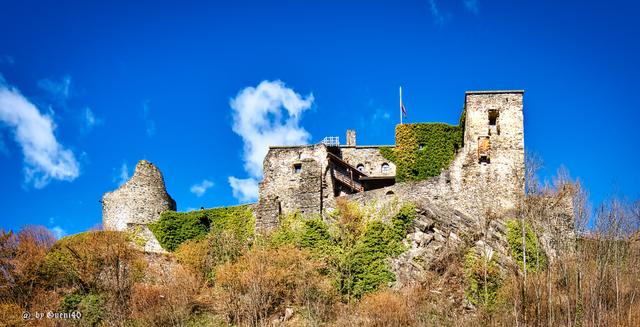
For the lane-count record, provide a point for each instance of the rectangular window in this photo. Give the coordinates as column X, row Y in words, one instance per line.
column 297, row 168
column 493, row 117
column 484, row 145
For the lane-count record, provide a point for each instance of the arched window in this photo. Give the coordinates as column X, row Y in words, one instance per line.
column 360, row 167
column 385, row 168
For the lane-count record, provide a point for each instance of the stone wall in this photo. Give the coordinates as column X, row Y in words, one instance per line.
column 138, row 201
column 295, row 179
column 370, row 157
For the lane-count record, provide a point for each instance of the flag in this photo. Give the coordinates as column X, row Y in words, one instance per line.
column 404, row 111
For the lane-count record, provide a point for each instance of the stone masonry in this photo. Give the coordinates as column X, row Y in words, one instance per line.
column 138, row 201
column 299, row 178
column 487, row 174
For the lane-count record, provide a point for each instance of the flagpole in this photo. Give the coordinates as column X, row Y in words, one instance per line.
column 400, row 105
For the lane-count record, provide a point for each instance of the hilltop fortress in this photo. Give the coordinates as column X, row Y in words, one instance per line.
column 465, row 182
column 487, row 164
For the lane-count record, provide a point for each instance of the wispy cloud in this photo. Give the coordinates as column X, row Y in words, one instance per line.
column 6, row 59
column 123, row 174
column 90, row 119
column 44, row 158
column 201, row 188
column 379, row 112
column 439, row 17
column 59, row 90
column 58, row 232
column 268, row 114
column 472, row 6
column 150, row 125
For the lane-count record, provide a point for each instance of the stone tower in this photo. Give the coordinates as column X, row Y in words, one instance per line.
column 138, row 201
column 494, row 146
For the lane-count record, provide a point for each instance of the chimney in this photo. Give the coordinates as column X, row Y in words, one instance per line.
column 351, row 137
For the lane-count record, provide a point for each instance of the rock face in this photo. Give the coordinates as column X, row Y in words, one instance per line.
column 138, row 201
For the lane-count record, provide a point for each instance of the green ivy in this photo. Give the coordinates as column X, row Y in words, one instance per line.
column 174, row 228
column 422, row 150
column 536, row 258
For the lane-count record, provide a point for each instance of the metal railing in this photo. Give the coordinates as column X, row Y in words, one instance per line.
column 331, row 141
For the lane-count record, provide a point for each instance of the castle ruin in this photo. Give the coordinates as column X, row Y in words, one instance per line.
column 487, row 170
column 471, row 197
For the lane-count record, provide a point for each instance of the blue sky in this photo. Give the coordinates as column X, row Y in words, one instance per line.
column 89, row 89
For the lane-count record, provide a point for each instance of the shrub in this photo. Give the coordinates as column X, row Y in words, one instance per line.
column 10, row 314
column 355, row 251
column 265, row 280
column 536, row 258
column 386, row 308
column 168, row 300
column 484, row 279
column 21, row 257
column 100, row 263
column 174, row 228
column 203, row 255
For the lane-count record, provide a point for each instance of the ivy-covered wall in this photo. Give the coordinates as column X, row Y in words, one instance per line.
column 423, row 149
column 174, row 228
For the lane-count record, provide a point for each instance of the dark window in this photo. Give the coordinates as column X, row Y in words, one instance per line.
column 297, row 168
column 493, row 117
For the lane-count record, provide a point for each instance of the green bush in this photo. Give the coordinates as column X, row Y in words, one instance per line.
column 90, row 305
column 422, row 150
column 536, row 258
column 483, row 280
column 355, row 252
column 174, row 228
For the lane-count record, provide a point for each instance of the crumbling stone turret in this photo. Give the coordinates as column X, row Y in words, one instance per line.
column 138, row 201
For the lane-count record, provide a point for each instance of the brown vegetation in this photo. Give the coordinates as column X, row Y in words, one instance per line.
column 219, row 280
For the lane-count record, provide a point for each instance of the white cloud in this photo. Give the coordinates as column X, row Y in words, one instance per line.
column 58, row 232
column 44, row 158
column 123, row 175
column 150, row 125
column 472, row 6
column 90, row 119
column 59, row 90
column 245, row 190
column 201, row 188
column 268, row 114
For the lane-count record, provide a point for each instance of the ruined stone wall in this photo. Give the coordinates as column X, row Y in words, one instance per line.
column 138, row 201
column 370, row 157
column 502, row 174
column 468, row 185
column 294, row 179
